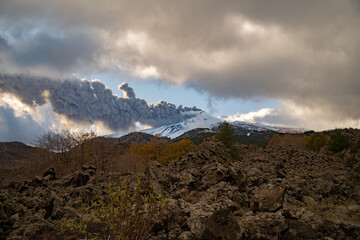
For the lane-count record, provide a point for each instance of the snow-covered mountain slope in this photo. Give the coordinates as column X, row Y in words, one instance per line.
column 201, row 119
column 261, row 127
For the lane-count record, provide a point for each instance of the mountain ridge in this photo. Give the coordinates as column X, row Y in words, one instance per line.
column 203, row 120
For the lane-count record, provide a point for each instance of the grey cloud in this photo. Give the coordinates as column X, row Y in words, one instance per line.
column 3, row 43
column 65, row 53
column 289, row 115
column 306, row 51
column 60, row 52
column 89, row 102
column 13, row 128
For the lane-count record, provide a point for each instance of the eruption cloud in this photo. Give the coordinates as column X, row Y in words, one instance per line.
column 91, row 101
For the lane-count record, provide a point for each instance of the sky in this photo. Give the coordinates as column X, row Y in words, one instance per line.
column 280, row 62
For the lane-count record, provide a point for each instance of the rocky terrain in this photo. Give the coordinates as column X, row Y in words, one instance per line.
column 276, row 193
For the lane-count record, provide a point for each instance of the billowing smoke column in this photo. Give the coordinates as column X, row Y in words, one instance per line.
column 128, row 91
column 85, row 101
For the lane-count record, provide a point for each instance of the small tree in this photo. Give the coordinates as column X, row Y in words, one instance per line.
column 57, row 146
column 102, row 150
column 337, row 141
column 226, row 134
column 81, row 140
column 65, row 146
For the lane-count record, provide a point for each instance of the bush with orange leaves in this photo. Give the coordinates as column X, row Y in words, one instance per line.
column 315, row 141
column 161, row 151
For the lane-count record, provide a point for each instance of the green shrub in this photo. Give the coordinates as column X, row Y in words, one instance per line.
column 315, row 141
column 124, row 213
column 337, row 141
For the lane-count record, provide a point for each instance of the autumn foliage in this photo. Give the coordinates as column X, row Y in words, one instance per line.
column 161, row 151
column 315, row 141
column 295, row 140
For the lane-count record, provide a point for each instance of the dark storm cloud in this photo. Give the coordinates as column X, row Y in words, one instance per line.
column 90, row 102
column 304, row 52
column 60, row 53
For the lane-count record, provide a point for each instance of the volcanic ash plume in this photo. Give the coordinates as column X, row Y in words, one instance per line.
column 128, row 91
column 91, row 101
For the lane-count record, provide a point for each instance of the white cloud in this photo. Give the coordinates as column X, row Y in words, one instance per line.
column 289, row 114
column 249, row 117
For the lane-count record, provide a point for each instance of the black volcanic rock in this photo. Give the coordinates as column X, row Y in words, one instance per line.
column 221, row 225
column 210, row 194
column 277, row 193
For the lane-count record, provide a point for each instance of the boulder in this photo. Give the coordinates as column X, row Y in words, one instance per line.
column 77, row 180
column 49, row 174
column 268, row 197
column 221, row 225
column 264, row 225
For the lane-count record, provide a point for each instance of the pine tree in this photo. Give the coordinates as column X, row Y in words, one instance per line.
column 226, row 134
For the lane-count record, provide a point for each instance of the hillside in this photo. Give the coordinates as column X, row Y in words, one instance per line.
column 259, row 137
column 136, row 137
column 17, row 154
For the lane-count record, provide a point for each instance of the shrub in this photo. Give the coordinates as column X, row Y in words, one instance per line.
column 161, row 151
column 315, row 141
column 124, row 213
column 175, row 150
column 150, row 151
column 337, row 141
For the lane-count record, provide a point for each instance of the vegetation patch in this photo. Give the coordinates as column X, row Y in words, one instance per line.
column 160, row 150
column 337, row 141
column 315, row 141
column 122, row 213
